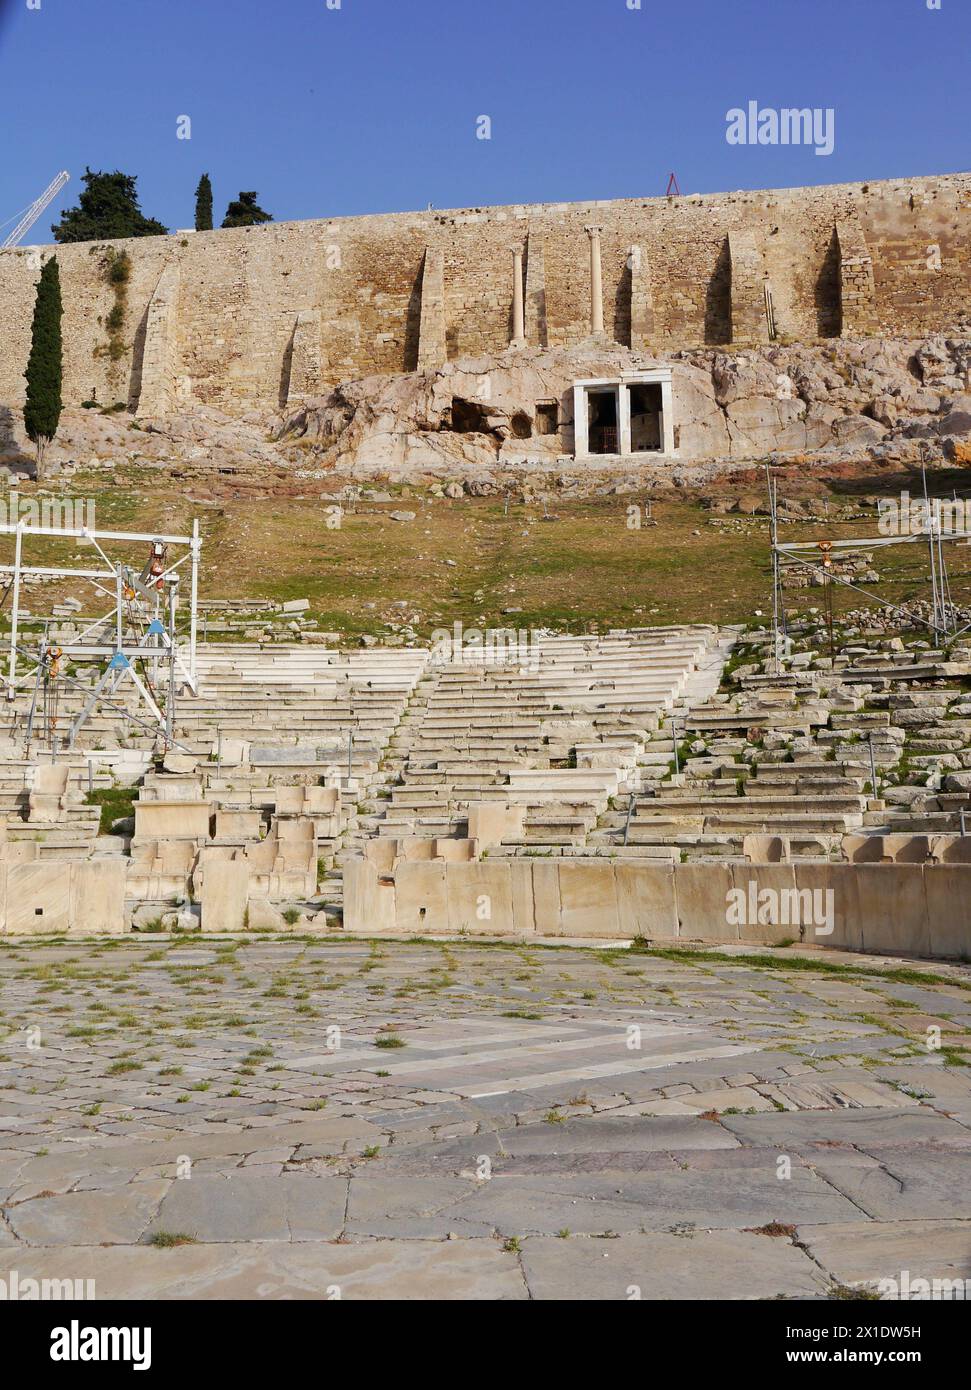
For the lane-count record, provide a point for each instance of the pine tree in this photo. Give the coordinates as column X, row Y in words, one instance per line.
column 204, row 205
column 107, row 210
column 244, row 211
column 42, row 411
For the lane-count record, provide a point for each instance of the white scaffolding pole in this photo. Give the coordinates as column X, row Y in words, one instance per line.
column 196, row 544
column 15, row 615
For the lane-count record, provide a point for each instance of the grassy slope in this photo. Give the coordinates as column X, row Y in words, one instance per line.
column 585, row 568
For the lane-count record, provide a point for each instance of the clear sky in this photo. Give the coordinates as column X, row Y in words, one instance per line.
column 372, row 106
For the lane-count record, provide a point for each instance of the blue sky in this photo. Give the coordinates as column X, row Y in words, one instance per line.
column 373, row 106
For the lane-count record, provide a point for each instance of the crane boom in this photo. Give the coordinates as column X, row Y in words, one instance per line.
column 36, row 208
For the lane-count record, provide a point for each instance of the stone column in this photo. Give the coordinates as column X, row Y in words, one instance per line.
column 596, row 282
column 581, row 440
column 623, row 419
column 667, row 416
column 518, row 303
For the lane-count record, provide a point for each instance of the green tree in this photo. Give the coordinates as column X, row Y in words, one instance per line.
column 204, row 205
column 244, row 211
column 107, row 209
column 42, row 411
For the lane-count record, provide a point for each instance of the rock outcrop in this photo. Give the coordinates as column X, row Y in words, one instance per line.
column 834, row 398
column 834, row 402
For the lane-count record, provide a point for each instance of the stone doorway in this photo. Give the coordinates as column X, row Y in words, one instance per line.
column 630, row 415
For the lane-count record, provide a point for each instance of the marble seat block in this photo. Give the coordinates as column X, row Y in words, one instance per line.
column 238, row 825
column 47, row 800
column 766, row 849
column 172, row 820
column 492, row 823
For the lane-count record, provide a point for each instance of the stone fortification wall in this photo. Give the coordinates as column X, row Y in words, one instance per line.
column 255, row 317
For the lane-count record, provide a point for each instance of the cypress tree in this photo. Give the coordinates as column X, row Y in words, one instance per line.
column 42, row 411
column 204, row 205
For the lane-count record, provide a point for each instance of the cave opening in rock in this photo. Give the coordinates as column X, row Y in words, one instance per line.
column 468, row 417
column 547, row 418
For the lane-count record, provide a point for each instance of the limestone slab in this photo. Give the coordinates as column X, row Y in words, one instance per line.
column 657, row 1265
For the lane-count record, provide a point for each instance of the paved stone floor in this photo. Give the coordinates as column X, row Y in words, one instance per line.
column 282, row 1118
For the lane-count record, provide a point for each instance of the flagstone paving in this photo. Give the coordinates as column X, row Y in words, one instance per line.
column 323, row 1119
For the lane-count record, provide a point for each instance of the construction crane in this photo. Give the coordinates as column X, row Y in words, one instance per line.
column 31, row 214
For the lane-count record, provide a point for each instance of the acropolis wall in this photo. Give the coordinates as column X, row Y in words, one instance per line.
column 254, row 317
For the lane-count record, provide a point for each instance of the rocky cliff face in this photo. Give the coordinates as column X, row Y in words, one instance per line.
column 836, row 399
column 835, row 402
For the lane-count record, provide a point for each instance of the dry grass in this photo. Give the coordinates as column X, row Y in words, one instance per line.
column 582, row 570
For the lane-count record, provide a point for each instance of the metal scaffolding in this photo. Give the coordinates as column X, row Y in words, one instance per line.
column 135, row 639
column 819, row 557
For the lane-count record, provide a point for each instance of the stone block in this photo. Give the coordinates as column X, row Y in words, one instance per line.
column 703, row 899
column 864, row 849
column 646, row 901
column 98, row 896
column 893, row 908
column 907, row 849
column 495, row 822
column 182, row 763
column 172, row 820
column 369, row 899
column 421, row 898
column 261, row 915
column 232, row 752
column 588, row 899
column 238, row 825
column 455, row 851
column 382, row 853
column 225, row 895
column 480, row 899
column 951, row 849
column 768, row 907
column 521, row 888
column 843, row 881
column 19, row 851
column 39, row 897
column 947, row 893
column 546, row 897
column 766, row 849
